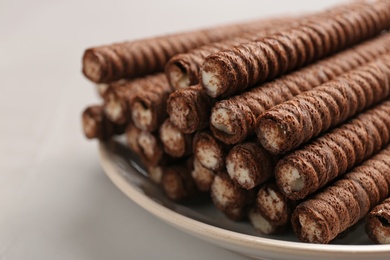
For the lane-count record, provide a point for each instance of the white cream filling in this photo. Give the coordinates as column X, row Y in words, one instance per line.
column 113, row 109
column 102, row 88
column 208, row 157
column 382, row 236
column 146, row 143
column 171, row 138
column 239, row 172
column 271, row 136
column 155, row 174
column 221, row 120
column 272, row 202
column 291, row 179
column 260, row 223
column 179, row 114
column 221, row 191
column 141, row 116
column 210, row 82
column 310, row 230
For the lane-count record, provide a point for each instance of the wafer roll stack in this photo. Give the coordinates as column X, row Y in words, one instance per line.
column 97, row 126
column 148, row 106
column 230, row 198
column 271, row 211
column 314, row 165
column 232, row 71
column 249, row 164
column 377, row 224
column 132, row 59
column 119, row 96
column 202, row 176
column 189, row 109
column 175, row 143
column 292, row 123
column 321, row 218
column 234, row 119
column 210, row 152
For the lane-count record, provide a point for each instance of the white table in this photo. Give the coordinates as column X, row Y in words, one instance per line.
column 55, row 200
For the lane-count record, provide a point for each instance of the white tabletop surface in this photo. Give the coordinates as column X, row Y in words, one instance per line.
column 55, row 200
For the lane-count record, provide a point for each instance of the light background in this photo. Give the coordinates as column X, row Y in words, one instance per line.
column 55, row 201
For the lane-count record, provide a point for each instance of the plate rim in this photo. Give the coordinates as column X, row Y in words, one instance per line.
column 209, row 232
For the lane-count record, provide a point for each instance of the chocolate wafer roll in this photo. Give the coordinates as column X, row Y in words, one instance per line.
column 314, row 165
column 342, row 204
column 96, row 125
column 102, row 89
column 119, row 96
column 377, row 224
column 148, row 107
column 230, row 198
column 294, row 122
column 234, row 119
column 151, row 148
column 249, row 164
column 202, row 176
column 141, row 57
column 232, row 71
column 189, row 109
column 175, row 143
column 271, row 210
column 177, row 182
column 155, row 173
column 210, row 152
column 132, row 135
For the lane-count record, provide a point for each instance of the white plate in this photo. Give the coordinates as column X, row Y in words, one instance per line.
column 202, row 220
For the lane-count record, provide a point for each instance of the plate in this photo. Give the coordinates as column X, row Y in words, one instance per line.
column 203, row 220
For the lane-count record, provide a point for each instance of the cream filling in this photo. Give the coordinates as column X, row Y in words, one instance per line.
column 208, row 157
column 310, row 230
column 272, row 136
column 102, row 88
column 221, row 119
column 146, row 143
column 260, row 223
column 155, row 174
column 113, row 109
column 179, row 114
column 141, row 116
column 171, row 138
column 272, row 202
column 210, row 83
column 291, row 179
column 222, row 192
column 239, row 172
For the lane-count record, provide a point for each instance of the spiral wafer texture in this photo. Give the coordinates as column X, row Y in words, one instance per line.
column 232, row 71
column 314, row 165
column 132, row 59
column 321, row 218
column 202, row 176
column 148, row 106
column 294, row 122
column 377, row 224
column 234, row 119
